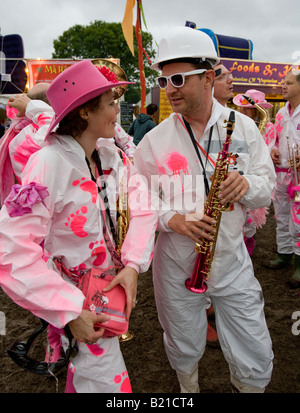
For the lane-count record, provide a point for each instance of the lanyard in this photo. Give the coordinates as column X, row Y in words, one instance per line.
column 102, row 189
column 212, row 162
column 196, row 146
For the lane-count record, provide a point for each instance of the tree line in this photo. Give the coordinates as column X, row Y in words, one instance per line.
column 102, row 40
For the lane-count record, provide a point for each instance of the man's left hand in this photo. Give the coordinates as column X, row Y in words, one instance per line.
column 234, row 187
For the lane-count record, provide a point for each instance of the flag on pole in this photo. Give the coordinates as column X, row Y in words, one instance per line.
column 138, row 35
column 127, row 24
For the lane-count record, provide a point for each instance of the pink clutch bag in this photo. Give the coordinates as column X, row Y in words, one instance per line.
column 111, row 302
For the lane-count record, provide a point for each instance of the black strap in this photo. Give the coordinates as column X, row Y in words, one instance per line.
column 189, row 129
column 102, row 190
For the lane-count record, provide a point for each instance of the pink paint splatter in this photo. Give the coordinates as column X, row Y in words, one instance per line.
column 278, row 125
column 42, row 119
column 25, row 150
column 77, row 222
column 125, row 382
column 269, row 134
column 296, row 213
column 177, row 163
column 87, row 186
column 99, row 252
column 11, row 112
column 95, row 349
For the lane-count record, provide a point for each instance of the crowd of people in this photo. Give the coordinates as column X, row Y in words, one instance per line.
column 63, row 164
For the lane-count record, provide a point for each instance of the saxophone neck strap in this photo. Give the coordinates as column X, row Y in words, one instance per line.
column 197, row 146
column 102, row 190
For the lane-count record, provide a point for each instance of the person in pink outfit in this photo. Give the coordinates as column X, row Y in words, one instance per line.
column 12, row 157
column 66, row 205
column 29, row 112
column 256, row 218
column 249, row 109
column 286, row 205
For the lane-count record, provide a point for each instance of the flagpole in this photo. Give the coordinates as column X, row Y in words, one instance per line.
column 138, row 34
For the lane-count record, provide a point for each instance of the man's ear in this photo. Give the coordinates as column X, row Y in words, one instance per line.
column 210, row 77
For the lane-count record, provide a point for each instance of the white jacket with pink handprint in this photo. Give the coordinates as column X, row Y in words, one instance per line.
column 58, row 205
column 287, row 125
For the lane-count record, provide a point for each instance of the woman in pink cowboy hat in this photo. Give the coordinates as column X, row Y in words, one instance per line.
column 251, row 110
column 66, row 204
column 247, row 102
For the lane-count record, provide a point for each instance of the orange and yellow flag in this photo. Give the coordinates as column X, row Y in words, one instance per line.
column 127, row 24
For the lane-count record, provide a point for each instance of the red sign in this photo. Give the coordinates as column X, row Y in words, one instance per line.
column 46, row 70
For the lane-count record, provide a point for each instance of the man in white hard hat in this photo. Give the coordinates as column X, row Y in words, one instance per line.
column 178, row 158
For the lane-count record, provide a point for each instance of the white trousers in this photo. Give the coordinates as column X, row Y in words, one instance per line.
column 100, row 368
column 240, row 320
column 287, row 230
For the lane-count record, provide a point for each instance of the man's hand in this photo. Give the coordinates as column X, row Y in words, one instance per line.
column 233, row 188
column 20, row 103
column 196, row 229
column 297, row 157
column 275, row 156
column 83, row 329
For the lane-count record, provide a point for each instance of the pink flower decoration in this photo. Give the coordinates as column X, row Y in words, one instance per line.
column 22, row 198
column 110, row 76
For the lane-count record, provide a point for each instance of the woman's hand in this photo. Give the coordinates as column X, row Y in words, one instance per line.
column 127, row 278
column 83, row 329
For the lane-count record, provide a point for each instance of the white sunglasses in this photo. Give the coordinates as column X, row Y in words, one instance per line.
column 178, row 79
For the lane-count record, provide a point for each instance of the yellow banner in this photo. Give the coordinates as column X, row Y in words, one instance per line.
column 127, row 24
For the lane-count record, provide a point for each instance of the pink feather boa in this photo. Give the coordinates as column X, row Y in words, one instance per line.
column 259, row 216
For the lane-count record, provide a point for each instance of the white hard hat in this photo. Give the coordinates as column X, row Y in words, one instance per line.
column 184, row 42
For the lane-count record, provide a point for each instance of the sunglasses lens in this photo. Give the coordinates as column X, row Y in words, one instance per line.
column 177, row 80
column 162, row 82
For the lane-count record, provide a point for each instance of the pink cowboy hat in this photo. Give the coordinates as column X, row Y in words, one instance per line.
column 77, row 85
column 257, row 96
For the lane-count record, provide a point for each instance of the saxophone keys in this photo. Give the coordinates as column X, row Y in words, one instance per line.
column 197, row 248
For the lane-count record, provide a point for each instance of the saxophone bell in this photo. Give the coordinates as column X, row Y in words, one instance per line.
column 264, row 119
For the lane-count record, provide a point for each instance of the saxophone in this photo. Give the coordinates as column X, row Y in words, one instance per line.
column 122, row 228
column 123, row 215
column 212, row 208
column 264, row 119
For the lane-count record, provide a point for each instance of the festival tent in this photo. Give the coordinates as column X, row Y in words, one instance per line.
column 12, row 67
column 231, row 47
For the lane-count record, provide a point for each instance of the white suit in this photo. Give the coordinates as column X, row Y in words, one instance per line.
column 235, row 293
column 287, row 235
column 58, row 203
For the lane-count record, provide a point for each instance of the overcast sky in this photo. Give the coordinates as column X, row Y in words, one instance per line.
column 272, row 25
